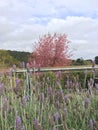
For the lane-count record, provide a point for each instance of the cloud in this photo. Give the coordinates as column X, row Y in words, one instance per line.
column 22, row 22
column 20, row 10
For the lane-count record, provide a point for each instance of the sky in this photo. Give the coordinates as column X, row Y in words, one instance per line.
column 22, row 22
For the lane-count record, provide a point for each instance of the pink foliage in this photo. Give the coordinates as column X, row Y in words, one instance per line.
column 51, row 50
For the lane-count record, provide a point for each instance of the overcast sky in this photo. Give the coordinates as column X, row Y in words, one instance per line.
column 23, row 21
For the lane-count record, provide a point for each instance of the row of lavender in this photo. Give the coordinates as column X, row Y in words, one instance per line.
column 49, row 107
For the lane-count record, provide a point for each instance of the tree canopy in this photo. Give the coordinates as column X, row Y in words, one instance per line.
column 96, row 59
column 51, row 50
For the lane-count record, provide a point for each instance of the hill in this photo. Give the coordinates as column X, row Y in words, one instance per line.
column 8, row 58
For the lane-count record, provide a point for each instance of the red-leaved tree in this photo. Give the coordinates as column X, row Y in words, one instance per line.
column 51, row 50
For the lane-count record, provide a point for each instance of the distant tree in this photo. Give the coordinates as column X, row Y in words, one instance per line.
column 52, row 50
column 80, row 61
column 96, row 60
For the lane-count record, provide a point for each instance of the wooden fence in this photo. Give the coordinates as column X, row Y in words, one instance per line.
column 56, row 69
column 64, row 70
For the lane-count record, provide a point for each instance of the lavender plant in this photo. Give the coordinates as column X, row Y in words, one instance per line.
column 50, row 106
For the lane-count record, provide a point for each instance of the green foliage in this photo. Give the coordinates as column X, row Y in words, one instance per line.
column 5, row 59
column 81, row 61
column 8, row 58
column 96, row 59
column 19, row 56
column 48, row 76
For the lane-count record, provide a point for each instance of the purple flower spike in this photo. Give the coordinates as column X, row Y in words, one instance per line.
column 58, row 74
column 87, row 102
column 14, row 67
column 91, row 124
column 5, row 100
column 24, row 100
column 43, row 97
column 27, row 65
column 56, row 116
column 96, row 85
column 60, row 92
column 37, row 125
column 22, row 128
column 4, row 106
column 23, row 64
column 35, row 121
column 10, row 71
column 18, row 81
column 18, row 120
column 66, row 97
column 2, row 89
column 54, row 128
column 18, row 124
column 65, row 110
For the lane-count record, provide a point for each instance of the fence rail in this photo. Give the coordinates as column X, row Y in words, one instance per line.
column 56, row 69
column 65, row 70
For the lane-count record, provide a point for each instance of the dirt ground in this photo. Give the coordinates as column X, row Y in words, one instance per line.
column 4, row 70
